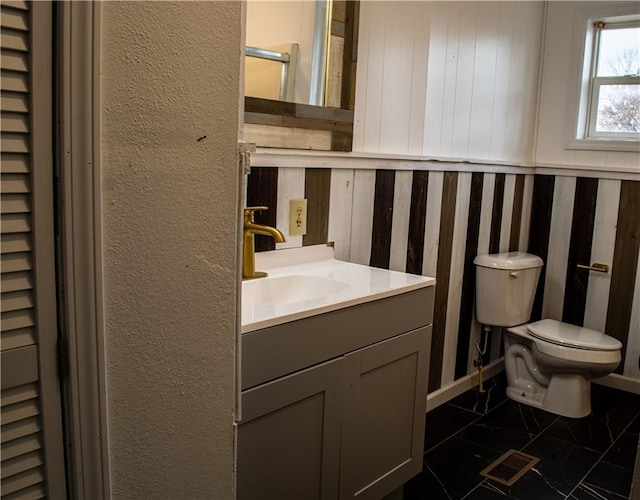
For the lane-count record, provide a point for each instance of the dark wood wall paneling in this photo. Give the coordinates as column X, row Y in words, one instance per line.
column 496, row 214
column 516, row 218
column 262, row 189
column 469, row 275
column 625, row 262
column 541, row 208
column 582, row 223
column 447, row 220
column 417, row 219
column 382, row 218
column 350, row 55
column 317, row 190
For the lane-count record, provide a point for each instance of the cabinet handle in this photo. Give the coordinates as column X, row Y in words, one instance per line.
column 596, row 266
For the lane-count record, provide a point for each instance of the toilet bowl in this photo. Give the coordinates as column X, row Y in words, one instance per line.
column 549, row 364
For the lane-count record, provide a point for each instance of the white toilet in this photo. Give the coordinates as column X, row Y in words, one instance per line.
column 549, row 364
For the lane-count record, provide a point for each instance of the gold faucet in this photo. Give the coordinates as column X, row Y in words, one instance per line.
column 248, row 246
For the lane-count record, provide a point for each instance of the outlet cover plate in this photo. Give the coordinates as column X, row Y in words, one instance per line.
column 297, row 217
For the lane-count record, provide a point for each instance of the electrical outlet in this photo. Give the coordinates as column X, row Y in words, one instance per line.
column 297, row 217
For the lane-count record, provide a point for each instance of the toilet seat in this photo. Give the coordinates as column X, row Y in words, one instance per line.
column 572, row 336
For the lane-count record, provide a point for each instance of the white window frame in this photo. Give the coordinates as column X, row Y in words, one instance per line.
column 580, row 92
column 599, row 81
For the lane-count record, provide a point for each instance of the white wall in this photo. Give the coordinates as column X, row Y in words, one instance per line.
column 454, row 80
column 559, row 90
column 170, row 73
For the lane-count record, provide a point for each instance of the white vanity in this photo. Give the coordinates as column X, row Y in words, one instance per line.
column 335, row 359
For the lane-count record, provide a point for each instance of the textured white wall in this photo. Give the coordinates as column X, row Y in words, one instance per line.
column 449, row 80
column 170, row 75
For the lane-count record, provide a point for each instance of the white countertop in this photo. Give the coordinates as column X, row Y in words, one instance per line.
column 362, row 284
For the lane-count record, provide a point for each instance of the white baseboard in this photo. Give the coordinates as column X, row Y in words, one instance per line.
column 447, row 393
column 621, row 382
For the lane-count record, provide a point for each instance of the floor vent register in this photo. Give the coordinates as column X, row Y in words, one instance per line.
column 510, row 467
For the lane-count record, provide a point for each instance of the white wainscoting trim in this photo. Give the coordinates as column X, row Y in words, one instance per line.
column 620, row 173
column 296, row 158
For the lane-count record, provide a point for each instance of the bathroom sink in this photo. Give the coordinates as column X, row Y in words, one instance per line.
column 289, row 289
column 309, row 281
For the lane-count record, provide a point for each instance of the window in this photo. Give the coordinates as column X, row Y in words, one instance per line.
column 614, row 104
column 603, row 107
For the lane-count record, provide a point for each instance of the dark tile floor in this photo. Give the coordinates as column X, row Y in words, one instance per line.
column 587, row 458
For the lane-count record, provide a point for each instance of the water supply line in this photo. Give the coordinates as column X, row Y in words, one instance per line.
column 481, row 352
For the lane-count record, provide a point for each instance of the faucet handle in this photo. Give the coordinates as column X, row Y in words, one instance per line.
column 249, row 211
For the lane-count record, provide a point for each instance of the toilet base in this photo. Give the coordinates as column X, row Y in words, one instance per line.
column 567, row 395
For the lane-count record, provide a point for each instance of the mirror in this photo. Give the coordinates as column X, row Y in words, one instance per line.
column 300, row 73
column 287, row 50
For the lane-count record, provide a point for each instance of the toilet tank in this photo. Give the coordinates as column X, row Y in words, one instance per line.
column 505, row 287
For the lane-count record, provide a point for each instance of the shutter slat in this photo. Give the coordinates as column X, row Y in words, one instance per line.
column 15, row 4
column 21, row 429
column 15, row 143
column 20, row 464
column 19, row 411
column 18, row 394
column 16, row 320
column 12, row 60
column 15, row 301
column 15, row 223
column 14, row 262
column 14, row 203
column 19, row 367
column 13, row 339
column 13, row 102
column 11, row 81
column 11, row 243
column 14, row 163
column 20, row 446
column 14, row 19
column 36, row 492
column 14, row 122
column 16, row 281
column 23, row 480
column 15, row 183
column 14, row 40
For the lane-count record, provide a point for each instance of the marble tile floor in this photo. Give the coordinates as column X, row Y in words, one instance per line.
column 587, row 458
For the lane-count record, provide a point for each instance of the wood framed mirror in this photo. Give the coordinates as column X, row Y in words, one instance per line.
column 298, row 125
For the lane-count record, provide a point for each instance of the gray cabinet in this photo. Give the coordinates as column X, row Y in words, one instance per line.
column 347, row 424
column 384, row 413
column 290, row 436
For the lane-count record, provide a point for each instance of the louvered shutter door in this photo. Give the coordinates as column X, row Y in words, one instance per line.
column 32, row 454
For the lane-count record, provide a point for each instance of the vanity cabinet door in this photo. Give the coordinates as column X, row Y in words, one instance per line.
column 289, row 436
column 384, row 407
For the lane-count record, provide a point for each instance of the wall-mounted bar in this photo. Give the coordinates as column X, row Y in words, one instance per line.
column 287, row 78
column 271, row 55
column 596, row 266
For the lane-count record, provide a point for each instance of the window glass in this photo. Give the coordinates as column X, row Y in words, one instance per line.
column 615, row 83
column 618, row 109
column 619, row 52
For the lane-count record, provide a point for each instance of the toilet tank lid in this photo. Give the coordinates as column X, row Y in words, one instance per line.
column 572, row 335
column 509, row 260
